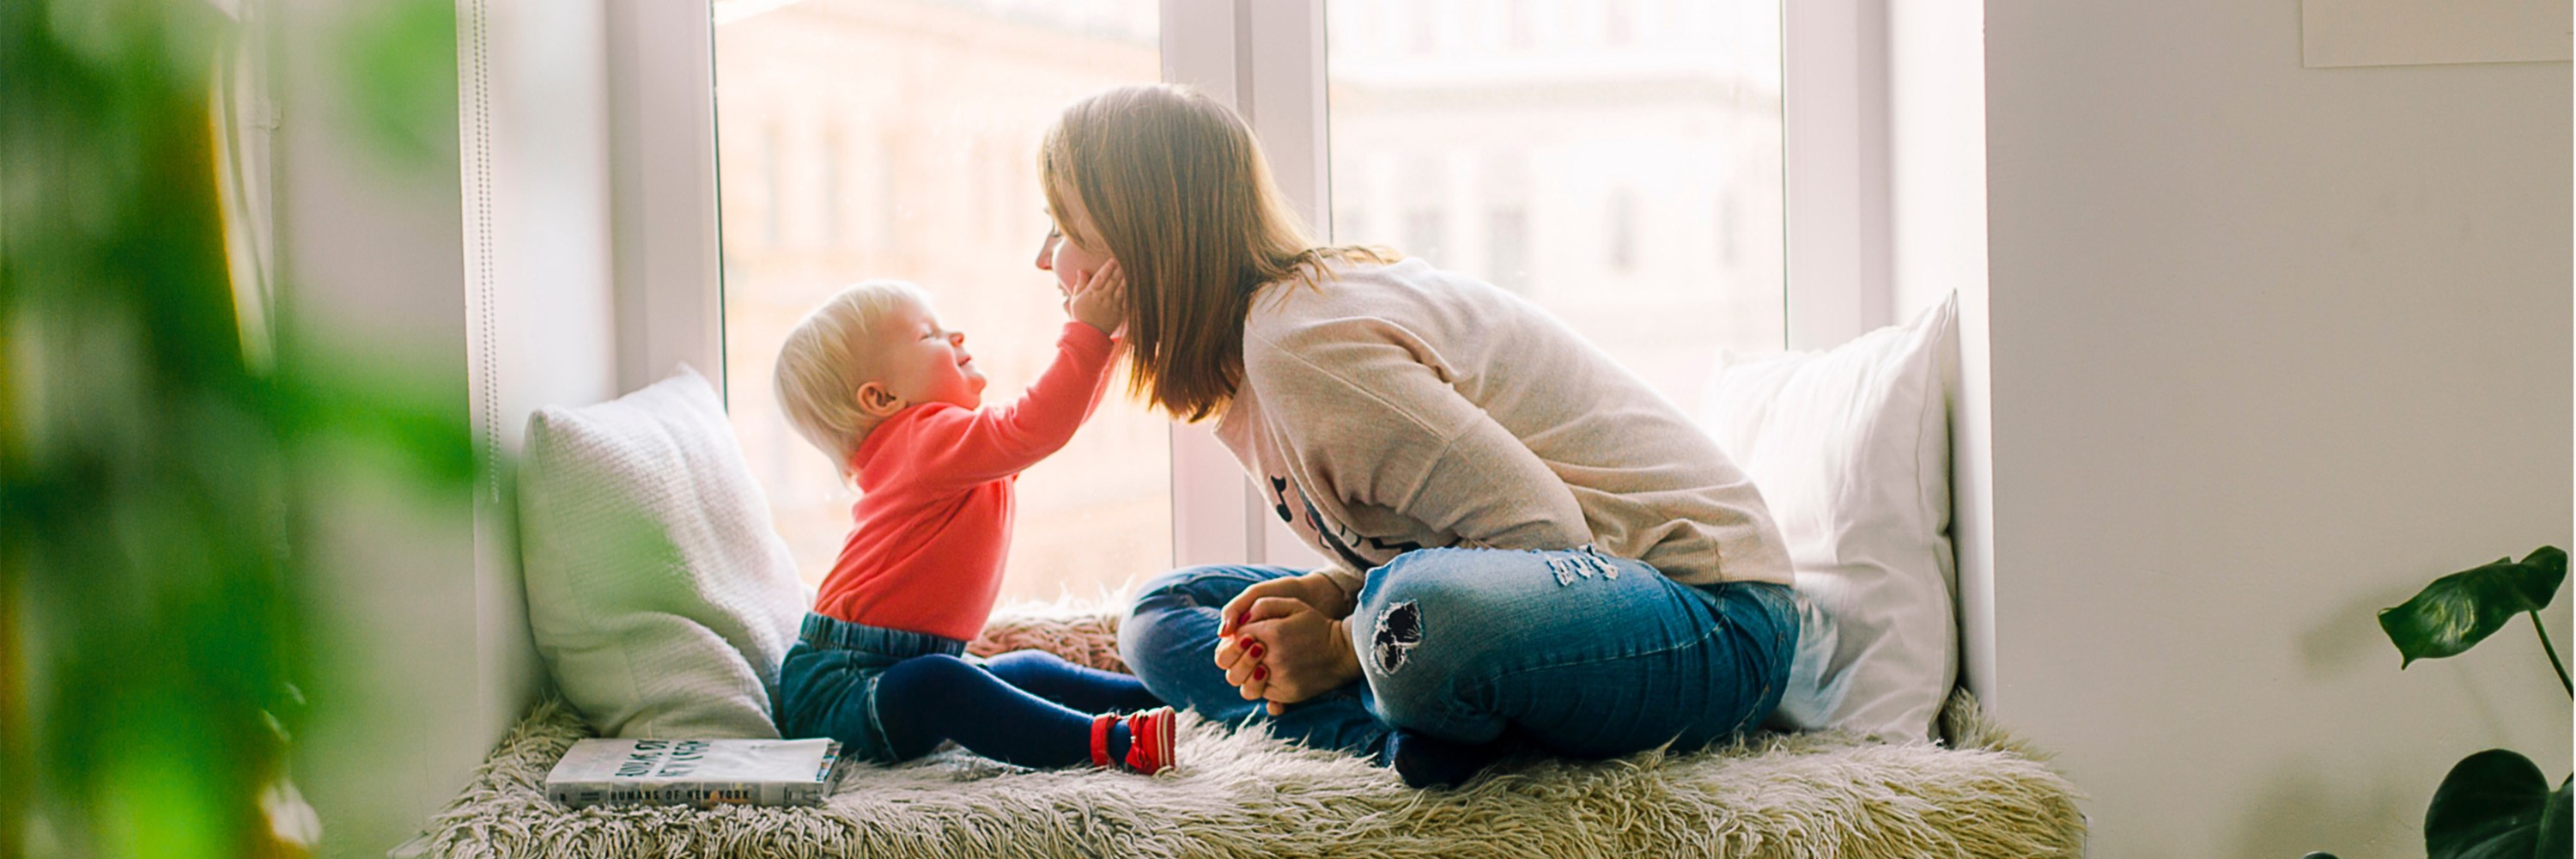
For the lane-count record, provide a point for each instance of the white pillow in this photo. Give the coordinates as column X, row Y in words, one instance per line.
column 659, row 595
column 1851, row 448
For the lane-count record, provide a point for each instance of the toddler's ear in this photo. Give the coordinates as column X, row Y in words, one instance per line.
column 878, row 401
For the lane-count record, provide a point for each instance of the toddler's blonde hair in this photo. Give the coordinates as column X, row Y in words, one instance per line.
column 832, row 352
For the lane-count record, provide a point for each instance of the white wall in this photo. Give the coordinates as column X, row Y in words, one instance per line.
column 371, row 252
column 2271, row 347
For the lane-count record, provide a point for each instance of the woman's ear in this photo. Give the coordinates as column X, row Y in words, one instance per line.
column 878, row 401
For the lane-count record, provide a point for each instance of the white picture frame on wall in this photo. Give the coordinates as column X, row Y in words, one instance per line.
column 2344, row 33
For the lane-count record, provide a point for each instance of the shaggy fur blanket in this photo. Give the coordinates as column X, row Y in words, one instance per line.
column 1246, row 794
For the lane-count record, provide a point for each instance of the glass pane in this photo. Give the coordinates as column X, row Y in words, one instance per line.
column 1615, row 161
column 865, row 139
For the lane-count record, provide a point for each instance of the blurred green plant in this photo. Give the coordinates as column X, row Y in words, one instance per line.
column 403, row 56
column 2495, row 803
column 154, row 477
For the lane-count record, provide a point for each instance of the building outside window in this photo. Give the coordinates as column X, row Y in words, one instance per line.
column 1644, row 169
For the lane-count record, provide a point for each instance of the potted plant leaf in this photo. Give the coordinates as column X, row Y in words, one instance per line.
column 2495, row 803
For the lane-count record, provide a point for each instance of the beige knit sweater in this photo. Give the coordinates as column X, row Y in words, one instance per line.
column 1400, row 407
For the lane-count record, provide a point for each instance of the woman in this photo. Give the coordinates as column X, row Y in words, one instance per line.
column 1530, row 547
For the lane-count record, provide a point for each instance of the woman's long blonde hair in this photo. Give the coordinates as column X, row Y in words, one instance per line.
column 1178, row 192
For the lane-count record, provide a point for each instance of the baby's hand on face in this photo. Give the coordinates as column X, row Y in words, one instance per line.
column 1100, row 301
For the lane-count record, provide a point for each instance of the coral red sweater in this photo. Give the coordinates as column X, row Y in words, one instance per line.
column 933, row 521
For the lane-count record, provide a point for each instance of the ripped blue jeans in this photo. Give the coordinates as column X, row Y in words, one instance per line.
column 1580, row 654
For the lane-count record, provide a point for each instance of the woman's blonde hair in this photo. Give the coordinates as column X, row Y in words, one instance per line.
column 832, row 352
column 1177, row 191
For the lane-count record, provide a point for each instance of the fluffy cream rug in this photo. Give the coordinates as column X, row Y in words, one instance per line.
column 1245, row 794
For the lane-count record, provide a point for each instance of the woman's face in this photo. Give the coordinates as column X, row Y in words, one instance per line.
column 1062, row 254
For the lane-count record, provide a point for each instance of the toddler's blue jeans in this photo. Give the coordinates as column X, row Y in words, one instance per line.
column 891, row 695
column 1580, row 654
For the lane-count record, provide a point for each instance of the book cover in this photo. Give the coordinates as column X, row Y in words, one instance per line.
column 702, row 773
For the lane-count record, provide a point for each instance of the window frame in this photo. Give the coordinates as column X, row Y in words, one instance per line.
column 1267, row 59
column 663, row 216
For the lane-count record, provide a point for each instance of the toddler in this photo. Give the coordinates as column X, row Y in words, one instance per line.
column 873, row 379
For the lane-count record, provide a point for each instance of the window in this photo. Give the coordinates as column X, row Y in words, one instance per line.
column 1424, row 21
column 947, row 102
column 1424, row 231
column 1623, row 133
column 1507, row 248
column 832, row 192
column 1622, row 232
column 773, row 187
column 895, row 138
column 1730, row 236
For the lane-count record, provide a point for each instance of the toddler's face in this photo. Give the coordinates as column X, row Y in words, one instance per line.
column 925, row 362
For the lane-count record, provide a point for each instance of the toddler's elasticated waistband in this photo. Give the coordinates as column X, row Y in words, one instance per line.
column 826, row 632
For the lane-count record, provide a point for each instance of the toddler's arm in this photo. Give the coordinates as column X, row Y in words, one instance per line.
column 969, row 447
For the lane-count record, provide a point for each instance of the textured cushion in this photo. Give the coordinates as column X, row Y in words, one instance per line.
column 1851, row 448
column 658, row 593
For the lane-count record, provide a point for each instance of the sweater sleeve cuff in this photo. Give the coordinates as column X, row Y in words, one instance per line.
column 1089, row 339
column 1350, row 582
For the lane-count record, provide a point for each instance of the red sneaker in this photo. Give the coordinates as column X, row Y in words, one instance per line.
column 1150, row 741
column 1100, row 740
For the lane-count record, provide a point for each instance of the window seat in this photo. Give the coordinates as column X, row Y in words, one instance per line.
column 1983, row 793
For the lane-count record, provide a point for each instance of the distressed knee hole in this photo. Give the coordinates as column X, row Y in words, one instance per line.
column 1399, row 630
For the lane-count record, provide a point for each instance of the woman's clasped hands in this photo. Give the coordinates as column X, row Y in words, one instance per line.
column 1286, row 640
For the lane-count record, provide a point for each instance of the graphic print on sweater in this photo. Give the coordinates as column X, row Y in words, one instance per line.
column 1339, row 538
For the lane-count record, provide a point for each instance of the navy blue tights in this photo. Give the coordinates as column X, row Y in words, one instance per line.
column 1026, row 707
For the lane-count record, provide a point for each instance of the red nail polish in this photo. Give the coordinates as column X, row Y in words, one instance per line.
column 1255, row 652
column 1260, row 672
column 1241, row 619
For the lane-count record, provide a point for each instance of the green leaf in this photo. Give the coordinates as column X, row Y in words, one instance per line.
column 2491, row 806
column 2554, row 839
column 2548, row 567
column 2459, row 610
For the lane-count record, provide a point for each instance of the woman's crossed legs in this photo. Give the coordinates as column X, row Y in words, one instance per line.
column 1578, row 654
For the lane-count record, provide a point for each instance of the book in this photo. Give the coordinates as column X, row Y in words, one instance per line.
column 703, row 773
